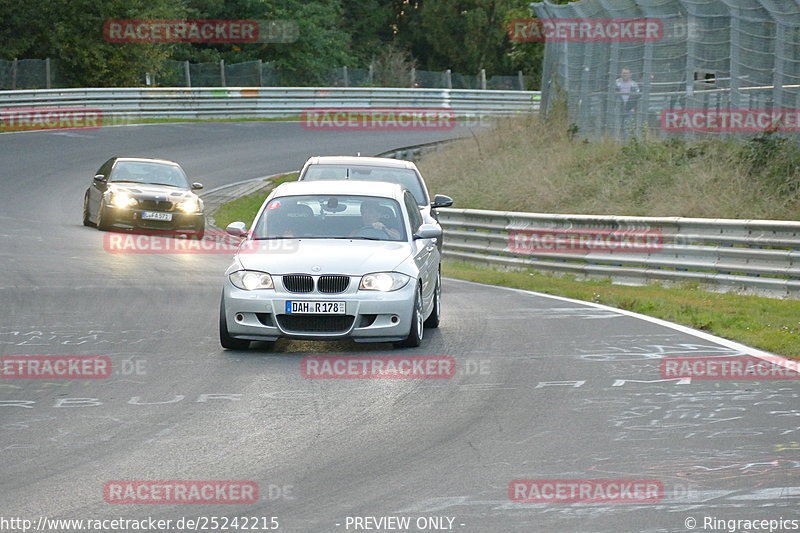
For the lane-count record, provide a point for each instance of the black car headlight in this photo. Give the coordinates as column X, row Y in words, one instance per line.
column 251, row 280
column 123, row 199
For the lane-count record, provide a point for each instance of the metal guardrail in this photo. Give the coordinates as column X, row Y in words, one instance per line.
column 267, row 102
column 761, row 256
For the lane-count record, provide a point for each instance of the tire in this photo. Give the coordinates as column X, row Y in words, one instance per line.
column 86, row 220
column 102, row 224
column 414, row 338
column 228, row 342
column 199, row 234
column 436, row 313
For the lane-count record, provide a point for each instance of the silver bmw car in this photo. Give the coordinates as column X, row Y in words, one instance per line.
column 333, row 259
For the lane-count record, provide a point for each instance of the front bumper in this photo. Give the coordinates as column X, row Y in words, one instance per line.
column 132, row 218
column 370, row 316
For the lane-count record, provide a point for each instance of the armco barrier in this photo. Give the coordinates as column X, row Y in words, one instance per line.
column 266, row 102
column 761, row 256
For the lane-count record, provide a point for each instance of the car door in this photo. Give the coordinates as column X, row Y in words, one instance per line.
column 426, row 255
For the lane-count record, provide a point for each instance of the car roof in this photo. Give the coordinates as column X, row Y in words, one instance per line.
column 358, row 160
column 147, row 160
column 356, row 188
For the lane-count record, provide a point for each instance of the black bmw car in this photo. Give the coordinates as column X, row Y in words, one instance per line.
column 139, row 193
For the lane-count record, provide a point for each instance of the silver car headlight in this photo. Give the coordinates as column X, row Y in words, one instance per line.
column 123, row 199
column 384, row 281
column 189, row 205
column 251, row 280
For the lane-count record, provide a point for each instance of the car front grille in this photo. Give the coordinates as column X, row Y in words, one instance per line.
column 316, row 323
column 298, row 283
column 157, row 205
column 333, row 284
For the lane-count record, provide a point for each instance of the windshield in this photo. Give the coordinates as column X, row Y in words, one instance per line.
column 148, row 172
column 404, row 176
column 331, row 217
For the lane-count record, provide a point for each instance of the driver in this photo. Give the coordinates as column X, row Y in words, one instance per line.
column 371, row 215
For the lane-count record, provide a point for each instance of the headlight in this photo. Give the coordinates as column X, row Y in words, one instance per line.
column 251, row 280
column 123, row 199
column 190, row 205
column 383, row 281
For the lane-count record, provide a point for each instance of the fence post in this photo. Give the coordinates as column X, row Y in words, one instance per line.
column 14, row 74
column 371, row 73
column 222, row 72
column 47, row 72
column 187, row 73
column 521, row 79
column 483, row 79
column 448, row 76
column 344, row 74
column 260, row 73
column 413, row 76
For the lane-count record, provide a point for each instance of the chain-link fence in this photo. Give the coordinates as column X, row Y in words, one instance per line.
column 690, row 68
column 32, row 74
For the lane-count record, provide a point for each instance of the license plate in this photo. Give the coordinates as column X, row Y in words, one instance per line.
column 294, row 307
column 156, row 215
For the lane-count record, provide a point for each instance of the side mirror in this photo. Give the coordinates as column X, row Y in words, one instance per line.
column 440, row 200
column 428, row 231
column 197, row 186
column 237, row 229
column 99, row 177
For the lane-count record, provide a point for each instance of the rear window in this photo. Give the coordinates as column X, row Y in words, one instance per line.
column 404, row 176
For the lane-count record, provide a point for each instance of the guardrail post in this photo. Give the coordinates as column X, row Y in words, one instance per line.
column 521, row 79
column 413, row 76
column 448, row 76
column 14, row 74
column 344, row 75
column 187, row 74
column 222, row 72
column 47, row 72
column 483, row 79
column 260, row 73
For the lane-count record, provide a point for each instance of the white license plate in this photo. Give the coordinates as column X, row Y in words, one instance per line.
column 156, row 215
column 304, row 307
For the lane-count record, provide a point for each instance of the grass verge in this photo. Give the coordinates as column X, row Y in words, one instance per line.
column 246, row 207
column 764, row 323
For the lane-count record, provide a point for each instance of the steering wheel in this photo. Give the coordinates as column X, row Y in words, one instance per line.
column 371, row 232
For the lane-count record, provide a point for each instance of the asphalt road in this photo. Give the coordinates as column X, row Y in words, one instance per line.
column 544, row 388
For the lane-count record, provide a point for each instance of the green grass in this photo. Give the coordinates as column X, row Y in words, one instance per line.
column 246, row 207
column 766, row 323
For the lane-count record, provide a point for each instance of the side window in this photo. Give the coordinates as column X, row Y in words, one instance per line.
column 414, row 216
column 105, row 170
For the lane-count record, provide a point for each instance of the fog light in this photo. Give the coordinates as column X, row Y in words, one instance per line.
column 395, row 319
column 239, row 317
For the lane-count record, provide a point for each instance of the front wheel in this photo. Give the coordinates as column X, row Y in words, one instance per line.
column 414, row 338
column 86, row 220
column 103, row 224
column 228, row 342
column 436, row 313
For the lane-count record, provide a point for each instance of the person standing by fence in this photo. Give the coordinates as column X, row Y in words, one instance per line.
column 628, row 91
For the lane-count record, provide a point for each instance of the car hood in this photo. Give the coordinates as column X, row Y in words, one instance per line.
column 150, row 191
column 323, row 256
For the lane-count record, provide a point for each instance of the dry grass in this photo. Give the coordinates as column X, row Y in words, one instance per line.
column 532, row 165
